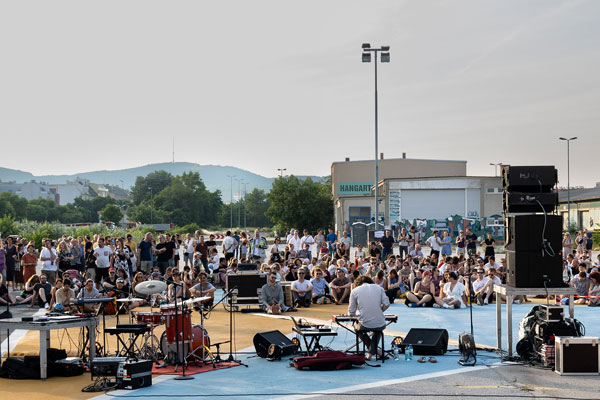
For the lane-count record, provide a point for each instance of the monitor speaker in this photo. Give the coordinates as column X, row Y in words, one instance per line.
column 283, row 346
column 528, row 232
column 531, row 269
column 529, row 178
column 426, row 341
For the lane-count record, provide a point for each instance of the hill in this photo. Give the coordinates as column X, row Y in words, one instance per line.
column 214, row 176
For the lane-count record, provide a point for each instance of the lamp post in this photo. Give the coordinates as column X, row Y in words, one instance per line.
column 239, row 201
column 568, row 179
column 496, row 165
column 231, row 201
column 281, row 171
column 385, row 58
column 151, row 204
column 245, row 227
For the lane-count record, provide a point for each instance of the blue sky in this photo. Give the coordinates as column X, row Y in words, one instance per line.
column 279, row 84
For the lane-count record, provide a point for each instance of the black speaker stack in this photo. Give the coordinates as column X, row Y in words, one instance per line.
column 533, row 230
column 426, row 341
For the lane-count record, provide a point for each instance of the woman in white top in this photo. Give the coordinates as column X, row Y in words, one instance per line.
column 359, row 253
column 453, row 295
column 567, row 245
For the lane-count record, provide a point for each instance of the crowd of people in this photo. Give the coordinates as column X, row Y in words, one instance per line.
column 319, row 269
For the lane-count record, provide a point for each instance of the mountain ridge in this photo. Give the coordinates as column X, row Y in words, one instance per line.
column 215, row 177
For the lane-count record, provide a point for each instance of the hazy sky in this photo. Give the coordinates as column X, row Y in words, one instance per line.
column 263, row 85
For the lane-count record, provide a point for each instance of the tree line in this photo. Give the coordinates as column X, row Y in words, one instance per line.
column 184, row 200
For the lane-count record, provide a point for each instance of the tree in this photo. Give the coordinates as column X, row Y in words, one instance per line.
column 157, row 180
column 256, row 204
column 111, row 213
column 300, row 204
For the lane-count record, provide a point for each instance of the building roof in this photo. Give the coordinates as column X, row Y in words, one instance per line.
column 397, row 159
column 587, row 194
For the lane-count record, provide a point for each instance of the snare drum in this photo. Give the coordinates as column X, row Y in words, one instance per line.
column 184, row 325
column 152, row 318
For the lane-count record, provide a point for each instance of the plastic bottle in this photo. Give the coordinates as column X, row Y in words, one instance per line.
column 408, row 353
column 396, row 352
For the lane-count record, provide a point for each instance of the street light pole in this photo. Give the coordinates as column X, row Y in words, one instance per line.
column 568, row 179
column 245, row 227
column 385, row 57
column 151, row 204
column 281, row 171
column 239, row 201
column 231, row 201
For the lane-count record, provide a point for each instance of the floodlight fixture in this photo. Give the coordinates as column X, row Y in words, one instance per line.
column 366, row 45
column 366, row 57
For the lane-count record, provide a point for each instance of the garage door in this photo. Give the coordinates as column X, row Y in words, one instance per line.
column 432, row 203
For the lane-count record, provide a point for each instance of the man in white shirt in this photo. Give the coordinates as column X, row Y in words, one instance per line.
column 48, row 256
column 302, row 290
column 229, row 246
column 435, row 243
column 188, row 251
column 370, row 301
column 307, row 240
column 491, row 264
column 296, row 241
column 346, row 240
column 102, row 254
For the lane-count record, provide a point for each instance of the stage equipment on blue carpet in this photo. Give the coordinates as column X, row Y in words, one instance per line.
column 577, row 356
column 280, row 344
column 134, row 374
column 426, row 342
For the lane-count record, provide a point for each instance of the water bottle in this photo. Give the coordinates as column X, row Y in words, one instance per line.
column 396, row 352
column 408, row 353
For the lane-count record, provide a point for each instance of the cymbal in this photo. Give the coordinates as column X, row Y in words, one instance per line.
column 150, row 287
column 194, row 300
column 128, row 300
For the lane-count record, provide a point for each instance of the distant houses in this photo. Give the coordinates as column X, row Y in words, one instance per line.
column 64, row 193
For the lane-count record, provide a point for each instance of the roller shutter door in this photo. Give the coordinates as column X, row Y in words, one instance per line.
column 432, row 203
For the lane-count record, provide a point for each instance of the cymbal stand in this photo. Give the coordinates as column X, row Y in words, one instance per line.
column 183, row 376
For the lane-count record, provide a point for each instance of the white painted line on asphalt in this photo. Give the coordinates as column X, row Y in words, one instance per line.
column 16, row 336
column 379, row 384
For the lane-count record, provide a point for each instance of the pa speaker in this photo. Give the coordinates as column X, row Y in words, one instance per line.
column 529, row 178
column 426, row 342
column 247, row 267
column 529, row 202
column 531, row 269
column 282, row 345
column 530, row 232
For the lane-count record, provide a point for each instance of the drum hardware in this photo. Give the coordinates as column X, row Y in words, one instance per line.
column 184, row 311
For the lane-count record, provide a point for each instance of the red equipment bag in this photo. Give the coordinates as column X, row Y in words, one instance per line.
column 329, row 360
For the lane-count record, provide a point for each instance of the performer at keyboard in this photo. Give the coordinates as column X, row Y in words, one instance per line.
column 203, row 289
column 89, row 291
column 178, row 289
column 368, row 302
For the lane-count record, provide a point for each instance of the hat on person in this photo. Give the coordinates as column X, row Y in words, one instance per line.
column 111, row 269
column 155, row 274
column 426, row 273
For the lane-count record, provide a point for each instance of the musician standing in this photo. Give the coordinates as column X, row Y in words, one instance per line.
column 370, row 301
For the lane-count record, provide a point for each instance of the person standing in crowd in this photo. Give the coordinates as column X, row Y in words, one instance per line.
column 10, row 254
column 471, row 239
column 48, row 257
column 403, row 243
column 229, row 246
column 461, row 242
column 29, row 263
column 188, row 252
column 144, row 254
column 414, row 238
column 163, row 256
column 258, row 246
column 306, row 239
column 387, row 242
column 446, row 244
column 331, row 238
column 368, row 302
column 488, row 245
column 435, row 243
column 103, row 254
column 567, row 245
column 202, row 248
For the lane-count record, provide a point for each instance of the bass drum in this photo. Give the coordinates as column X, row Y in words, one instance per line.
column 197, row 331
column 170, row 350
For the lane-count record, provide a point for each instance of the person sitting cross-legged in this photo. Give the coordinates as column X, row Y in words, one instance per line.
column 423, row 295
column 272, row 296
column 320, row 292
column 302, row 290
column 340, row 287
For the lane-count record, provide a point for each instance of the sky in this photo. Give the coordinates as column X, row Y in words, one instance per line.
column 263, row 85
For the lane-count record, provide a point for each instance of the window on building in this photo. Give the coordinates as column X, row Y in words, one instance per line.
column 359, row 214
column 494, row 191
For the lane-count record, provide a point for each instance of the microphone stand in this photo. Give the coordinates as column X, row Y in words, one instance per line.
column 229, row 296
column 182, row 377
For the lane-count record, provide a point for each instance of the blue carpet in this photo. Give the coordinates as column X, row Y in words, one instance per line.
column 263, row 379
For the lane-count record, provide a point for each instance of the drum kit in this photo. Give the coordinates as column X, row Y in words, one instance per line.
column 182, row 342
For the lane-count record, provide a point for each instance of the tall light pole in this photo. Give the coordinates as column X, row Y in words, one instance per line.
column 151, row 204
column 281, row 170
column 496, row 165
column 239, row 201
column 385, row 58
column 245, row 227
column 568, row 179
column 231, row 201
